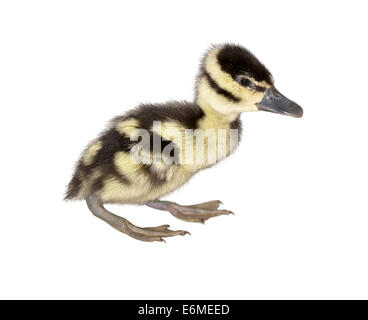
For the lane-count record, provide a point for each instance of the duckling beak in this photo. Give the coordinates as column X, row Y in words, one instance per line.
column 274, row 101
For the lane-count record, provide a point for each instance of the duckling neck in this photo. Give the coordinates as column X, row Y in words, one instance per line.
column 216, row 109
column 213, row 119
column 220, row 124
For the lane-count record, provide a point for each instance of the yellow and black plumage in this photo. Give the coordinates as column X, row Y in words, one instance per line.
column 231, row 80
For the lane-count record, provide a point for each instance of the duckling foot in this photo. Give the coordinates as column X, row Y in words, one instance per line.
column 123, row 225
column 149, row 233
column 195, row 213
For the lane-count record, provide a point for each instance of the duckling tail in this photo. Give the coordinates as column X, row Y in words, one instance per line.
column 73, row 188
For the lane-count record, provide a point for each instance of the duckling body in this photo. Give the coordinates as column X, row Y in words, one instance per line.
column 107, row 169
column 156, row 148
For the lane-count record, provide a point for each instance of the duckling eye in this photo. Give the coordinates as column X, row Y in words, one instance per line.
column 245, row 82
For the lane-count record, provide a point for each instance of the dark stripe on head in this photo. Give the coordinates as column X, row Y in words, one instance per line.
column 213, row 84
column 258, row 88
column 235, row 59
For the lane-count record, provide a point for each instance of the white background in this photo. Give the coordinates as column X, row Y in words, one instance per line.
column 298, row 186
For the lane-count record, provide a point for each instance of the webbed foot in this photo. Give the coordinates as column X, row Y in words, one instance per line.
column 194, row 213
column 144, row 234
column 150, row 233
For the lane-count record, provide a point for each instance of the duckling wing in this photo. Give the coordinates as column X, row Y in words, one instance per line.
column 108, row 168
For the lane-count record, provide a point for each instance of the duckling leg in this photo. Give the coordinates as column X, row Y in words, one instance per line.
column 195, row 213
column 145, row 234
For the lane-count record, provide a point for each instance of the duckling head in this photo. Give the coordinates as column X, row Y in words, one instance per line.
column 232, row 80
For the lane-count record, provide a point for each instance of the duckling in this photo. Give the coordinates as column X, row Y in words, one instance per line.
column 154, row 149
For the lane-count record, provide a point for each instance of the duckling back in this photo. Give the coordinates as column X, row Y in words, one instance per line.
column 106, row 167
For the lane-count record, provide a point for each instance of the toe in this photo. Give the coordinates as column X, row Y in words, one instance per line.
column 210, row 205
column 163, row 227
